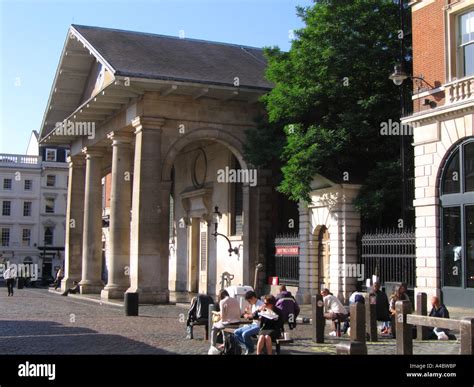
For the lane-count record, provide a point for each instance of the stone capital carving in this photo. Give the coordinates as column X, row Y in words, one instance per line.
column 120, row 138
column 76, row 161
column 141, row 123
column 93, row 151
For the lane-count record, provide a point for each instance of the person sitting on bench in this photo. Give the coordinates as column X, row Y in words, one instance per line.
column 288, row 306
column 244, row 334
column 229, row 313
column 271, row 325
column 334, row 310
column 439, row 310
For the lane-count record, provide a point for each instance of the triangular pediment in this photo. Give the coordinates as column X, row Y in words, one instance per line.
column 81, row 74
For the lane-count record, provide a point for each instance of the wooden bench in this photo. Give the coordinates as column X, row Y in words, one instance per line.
column 278, row 342
column 404, row 321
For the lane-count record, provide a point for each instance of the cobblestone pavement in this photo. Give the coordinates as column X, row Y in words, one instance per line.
column 35, row 321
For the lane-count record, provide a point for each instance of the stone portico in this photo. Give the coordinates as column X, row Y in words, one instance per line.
column 328, row 240
column 163, row 131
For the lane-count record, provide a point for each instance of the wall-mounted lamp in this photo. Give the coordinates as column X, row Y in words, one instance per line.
column 399, row 75
column 216, row 217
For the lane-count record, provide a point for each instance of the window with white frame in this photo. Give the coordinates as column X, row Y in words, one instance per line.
column 5, row 237
column 48, row 235
column 26, row 208
column 49, row 205
column 7, row 184
column 6, row 208
column 26, row 237
column 50, row 154
column 466, row 44
column 50, row 180
column 28, row 184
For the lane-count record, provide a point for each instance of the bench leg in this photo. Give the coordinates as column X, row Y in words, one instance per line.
column 338, row 328
column 206, row 328
column 277, row 348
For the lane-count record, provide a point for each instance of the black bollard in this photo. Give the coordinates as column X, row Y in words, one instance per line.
column 318, row 318
column 371, row 317
column 131, row 304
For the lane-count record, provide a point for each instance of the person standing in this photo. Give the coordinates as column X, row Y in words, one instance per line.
column 382, row 310
column 59, row 278
column 9, row 275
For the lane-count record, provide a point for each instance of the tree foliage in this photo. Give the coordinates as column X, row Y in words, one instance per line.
column 331, row 93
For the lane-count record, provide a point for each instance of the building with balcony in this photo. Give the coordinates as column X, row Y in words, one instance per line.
column 33, row 193
column 443, row 104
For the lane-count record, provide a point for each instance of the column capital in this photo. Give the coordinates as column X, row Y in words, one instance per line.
column 120, row 137
column 76, row 160
column 93, row 151
column 144, row 122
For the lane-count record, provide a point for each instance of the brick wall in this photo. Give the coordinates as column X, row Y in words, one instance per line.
column 428, row 49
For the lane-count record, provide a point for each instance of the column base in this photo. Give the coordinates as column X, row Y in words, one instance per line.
column 113, row 292
column 89, row 287
column 66, row 283
column 151, row 295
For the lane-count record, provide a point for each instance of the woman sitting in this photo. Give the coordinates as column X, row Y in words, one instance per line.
column 271, row 324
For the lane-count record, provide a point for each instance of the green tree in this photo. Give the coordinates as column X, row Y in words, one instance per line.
column 331, row 93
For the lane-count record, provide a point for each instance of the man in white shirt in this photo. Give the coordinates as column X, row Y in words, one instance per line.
column 229, row 313
column 333, row 309
column 244, row 334
column 9, row 275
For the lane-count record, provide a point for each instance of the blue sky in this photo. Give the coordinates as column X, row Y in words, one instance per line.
column 32, row 35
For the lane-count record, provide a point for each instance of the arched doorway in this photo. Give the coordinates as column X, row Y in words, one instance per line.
column 198, row 259
column 456, row 190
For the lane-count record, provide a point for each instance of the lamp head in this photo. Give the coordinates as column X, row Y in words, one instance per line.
column 398, row 75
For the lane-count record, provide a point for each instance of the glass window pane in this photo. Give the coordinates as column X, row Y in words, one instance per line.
column 469, row 166
column 469, row 60
column 452, row 249
column 451, row 178
column 470, row 246
column 467, row 27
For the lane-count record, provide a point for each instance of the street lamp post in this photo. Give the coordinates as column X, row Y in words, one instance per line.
column 216, row 217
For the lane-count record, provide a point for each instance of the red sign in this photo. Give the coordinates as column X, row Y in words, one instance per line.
column 287, row 250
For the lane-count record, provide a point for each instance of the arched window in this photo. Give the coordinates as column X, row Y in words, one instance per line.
column 457, row 217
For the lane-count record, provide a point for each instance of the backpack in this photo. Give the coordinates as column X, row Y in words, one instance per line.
column 231, row 346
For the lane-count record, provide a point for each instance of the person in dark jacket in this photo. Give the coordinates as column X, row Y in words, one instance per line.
column 198, row 313
column 271, row 324
column 382, row 310
column 288, row 306
column 439, row 310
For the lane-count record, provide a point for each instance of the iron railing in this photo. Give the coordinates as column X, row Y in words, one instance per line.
column 286, row 267
column 390, row 255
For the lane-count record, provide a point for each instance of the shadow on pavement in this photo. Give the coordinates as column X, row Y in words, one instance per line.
column 52, row 338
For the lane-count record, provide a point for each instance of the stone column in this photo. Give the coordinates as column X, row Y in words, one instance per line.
column 304, row 289
column 120, row 206
column 92, row 234
column 74, row 221
column 150, row 215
